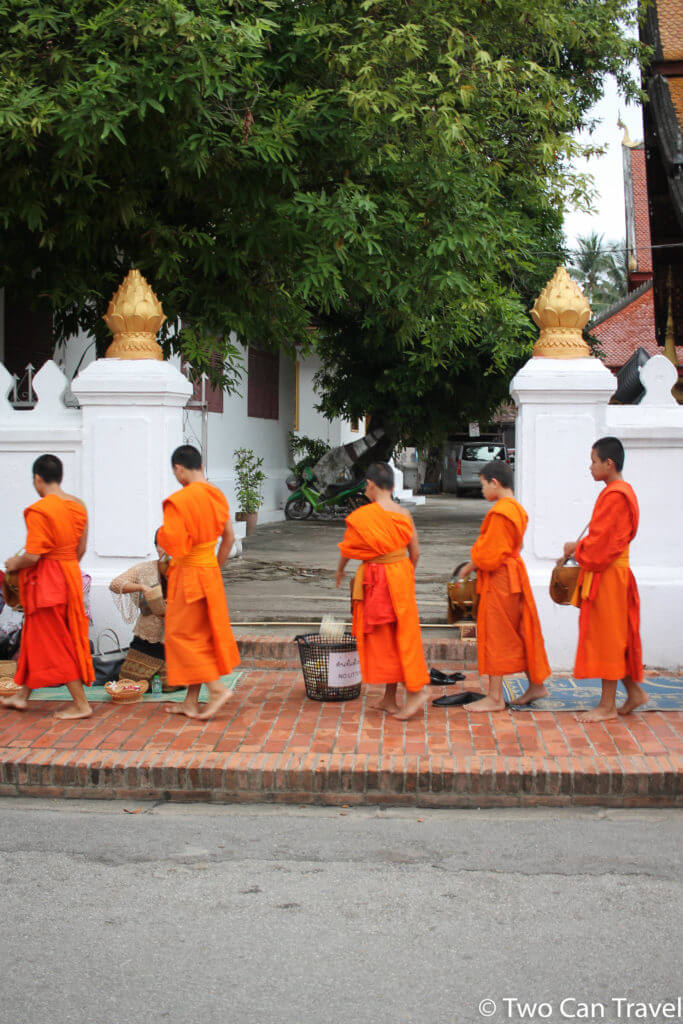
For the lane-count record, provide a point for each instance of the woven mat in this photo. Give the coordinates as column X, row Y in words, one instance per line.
column 96, row 694
column 568, row 694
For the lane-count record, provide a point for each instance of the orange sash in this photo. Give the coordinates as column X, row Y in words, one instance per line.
column 391, row 556
column 202, row 556
column 584, row 584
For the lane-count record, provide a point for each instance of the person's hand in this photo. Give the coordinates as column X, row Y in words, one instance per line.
column 466, row 570
column 569, row 548
column 11, row 564
column 338, row 578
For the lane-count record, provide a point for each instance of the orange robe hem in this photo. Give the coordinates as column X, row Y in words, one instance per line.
column 54, row 647
column 389, row 652
column 509, row 637
column 198, row 638
column 609, row 644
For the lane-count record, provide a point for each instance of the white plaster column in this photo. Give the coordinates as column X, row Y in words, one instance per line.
column 652, row 435
column 562, row 405
column 132, row 413
column 401, row 492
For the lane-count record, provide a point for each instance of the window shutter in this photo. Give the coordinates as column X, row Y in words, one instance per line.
column 263, row 386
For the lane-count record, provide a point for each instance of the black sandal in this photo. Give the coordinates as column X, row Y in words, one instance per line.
column 439, row 678
column 451, row 700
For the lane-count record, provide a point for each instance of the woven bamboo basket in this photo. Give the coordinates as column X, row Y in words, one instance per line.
column 8, row 669
column 8, row 687
column 139, row 666
column 126, row 691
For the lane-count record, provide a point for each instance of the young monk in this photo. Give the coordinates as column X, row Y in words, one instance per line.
column 385, row 618
column 54, row 640
column 609, row 618
column 509, row 635
column 200, row 646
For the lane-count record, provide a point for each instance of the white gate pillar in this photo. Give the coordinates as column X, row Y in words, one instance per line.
column 561, row 396
column 132, row 412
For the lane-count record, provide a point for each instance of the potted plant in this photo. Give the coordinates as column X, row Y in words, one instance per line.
column 250, row 477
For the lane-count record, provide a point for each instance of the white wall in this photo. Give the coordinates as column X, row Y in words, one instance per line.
column 311, row 422
column 115, row 452
column 26, row 434
column 563, row 408
column 269, row 439
column 234, row 428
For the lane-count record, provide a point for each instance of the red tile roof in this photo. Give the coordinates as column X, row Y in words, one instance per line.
column 643, row 252
column 629, row 325
column 670, row 19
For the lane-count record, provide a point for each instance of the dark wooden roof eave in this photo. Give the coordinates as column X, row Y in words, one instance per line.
column 669, row 138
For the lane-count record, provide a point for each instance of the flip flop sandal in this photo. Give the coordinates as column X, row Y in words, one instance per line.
column 439, row 678
column 452, row 700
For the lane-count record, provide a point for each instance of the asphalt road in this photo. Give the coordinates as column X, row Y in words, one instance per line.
column 193, row 915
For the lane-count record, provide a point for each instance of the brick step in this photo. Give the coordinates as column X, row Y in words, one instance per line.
column 277, row 652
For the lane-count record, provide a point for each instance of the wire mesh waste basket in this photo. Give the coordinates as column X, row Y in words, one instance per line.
column 331, row 667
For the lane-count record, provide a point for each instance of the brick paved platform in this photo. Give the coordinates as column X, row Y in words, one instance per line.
column 274, row 745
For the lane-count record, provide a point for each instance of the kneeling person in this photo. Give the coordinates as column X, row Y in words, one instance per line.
column 199, row 644
column 509, row 635
column 54, row 640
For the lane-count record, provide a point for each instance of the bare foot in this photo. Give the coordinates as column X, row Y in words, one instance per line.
column 18, row 703
column 633, row 701
column 189, row 710
column 385, row 704
column 487, row 704
column 415, row 701
column 532, row 692
column 215, row 704
column 73, row 712
column 598, row 714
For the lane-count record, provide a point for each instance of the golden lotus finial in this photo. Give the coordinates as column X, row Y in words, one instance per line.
column 134, row 316
column 561, row 311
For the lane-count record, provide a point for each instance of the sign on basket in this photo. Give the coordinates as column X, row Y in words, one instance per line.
column 344, row 669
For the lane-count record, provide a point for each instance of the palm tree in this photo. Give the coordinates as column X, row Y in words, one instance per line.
column 601, row 269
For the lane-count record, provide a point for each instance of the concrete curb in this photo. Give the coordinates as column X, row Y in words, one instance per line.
column 340, row 779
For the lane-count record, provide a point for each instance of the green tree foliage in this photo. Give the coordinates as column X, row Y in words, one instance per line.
column 390, row 173
column 600, row 267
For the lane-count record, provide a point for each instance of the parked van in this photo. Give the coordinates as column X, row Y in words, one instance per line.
column 463, row 463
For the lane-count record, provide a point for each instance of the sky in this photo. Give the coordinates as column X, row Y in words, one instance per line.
column 607, row 170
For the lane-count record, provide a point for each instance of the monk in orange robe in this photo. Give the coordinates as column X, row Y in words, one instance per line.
column 200, row 646
column 385, row 617
column 607, row 595
column 509, row 637
column 54, row 640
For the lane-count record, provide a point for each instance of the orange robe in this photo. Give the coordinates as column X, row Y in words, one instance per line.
column 198, row 638
column 509, row 637
column 385, row 622
column 54, row 640
column 607, row 594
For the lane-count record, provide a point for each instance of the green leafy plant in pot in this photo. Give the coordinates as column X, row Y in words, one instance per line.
column 250, row 477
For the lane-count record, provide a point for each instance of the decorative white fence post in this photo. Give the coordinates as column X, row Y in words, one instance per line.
column 24, row 435
column 562, row 397
column 131, row 406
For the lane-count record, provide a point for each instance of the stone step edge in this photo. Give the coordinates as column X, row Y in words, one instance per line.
column 338, row 779
column 259, row 651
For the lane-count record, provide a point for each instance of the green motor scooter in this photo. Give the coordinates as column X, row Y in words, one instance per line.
column 307, row 499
